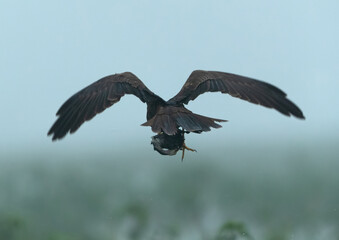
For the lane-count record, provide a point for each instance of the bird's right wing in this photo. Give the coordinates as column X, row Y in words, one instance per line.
column 95, row 98
column 245, row 88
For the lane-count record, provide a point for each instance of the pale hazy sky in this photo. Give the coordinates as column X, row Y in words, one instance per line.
column 52, row 49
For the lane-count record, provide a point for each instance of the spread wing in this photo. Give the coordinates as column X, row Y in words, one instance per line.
column 95, row 98
column 248, row 89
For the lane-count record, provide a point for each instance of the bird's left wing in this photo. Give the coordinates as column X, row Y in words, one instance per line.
column 95, row 98
column 248, row 89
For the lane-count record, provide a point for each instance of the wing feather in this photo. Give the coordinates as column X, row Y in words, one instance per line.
column 95, row 98
column 249, row 89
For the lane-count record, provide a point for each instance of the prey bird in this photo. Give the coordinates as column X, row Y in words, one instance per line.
column 169, row 119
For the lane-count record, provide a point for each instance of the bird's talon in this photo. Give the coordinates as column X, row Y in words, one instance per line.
column 184, row 147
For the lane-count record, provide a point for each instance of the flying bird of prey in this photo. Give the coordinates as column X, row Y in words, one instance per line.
column 169, row 119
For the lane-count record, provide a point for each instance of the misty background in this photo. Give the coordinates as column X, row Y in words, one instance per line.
column 276, row 176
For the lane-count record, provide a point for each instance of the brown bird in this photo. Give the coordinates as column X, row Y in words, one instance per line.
column 169, row 119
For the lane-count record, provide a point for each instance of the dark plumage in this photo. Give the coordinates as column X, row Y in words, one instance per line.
column 170, row 119
column 168, row 144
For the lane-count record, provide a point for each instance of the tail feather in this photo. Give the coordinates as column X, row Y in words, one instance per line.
column 192, row 122
column 170, row 118
column 156, row 125
column 168, row 123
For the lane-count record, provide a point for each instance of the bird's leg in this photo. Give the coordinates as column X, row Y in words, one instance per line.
column 184, row 147
column 189, row 149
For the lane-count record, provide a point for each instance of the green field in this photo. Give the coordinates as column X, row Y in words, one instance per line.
column 265, row 193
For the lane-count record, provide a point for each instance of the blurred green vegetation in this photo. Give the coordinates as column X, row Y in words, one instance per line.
column 11, row 227
column 232, row 231
column 266, row 193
